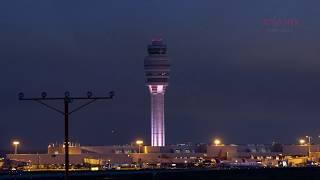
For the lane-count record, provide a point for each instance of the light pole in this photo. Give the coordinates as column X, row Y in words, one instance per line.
column 15, row 144
column 139, row 143
column 67, row 99
column 309, row 145
column 318, row 144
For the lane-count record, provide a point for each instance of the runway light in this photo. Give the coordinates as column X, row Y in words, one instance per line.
column 94, row 169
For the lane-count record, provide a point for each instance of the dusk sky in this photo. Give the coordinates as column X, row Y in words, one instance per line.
column 246, row 71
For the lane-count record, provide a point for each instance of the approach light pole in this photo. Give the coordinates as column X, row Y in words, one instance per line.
column 67, row 99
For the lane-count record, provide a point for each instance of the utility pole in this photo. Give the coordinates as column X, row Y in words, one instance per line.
column 309, row 146
column 67, row 99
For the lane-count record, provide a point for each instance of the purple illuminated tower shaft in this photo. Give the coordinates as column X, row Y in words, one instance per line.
column 157, row 119
column 157, row 68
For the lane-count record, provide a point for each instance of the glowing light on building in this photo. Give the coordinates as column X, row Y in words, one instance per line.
column 145, row 150
column 217, row 142
column 139, row 142
column 157, row 68
column 302, row 142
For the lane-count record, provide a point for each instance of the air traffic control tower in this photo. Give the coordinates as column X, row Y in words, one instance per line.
column 157, row 67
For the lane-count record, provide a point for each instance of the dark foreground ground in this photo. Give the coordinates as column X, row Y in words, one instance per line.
column 186, row 174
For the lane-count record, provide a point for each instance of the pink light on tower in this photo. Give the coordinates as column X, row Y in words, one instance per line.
column 157, row 67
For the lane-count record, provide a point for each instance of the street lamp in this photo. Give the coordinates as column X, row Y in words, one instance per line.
column 139, row 143
column 318, row 145
column 217, row 142
column 309, row 145
column 15, row 144
column 302, row 141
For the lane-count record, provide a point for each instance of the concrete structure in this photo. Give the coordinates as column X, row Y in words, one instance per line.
column 157, row 67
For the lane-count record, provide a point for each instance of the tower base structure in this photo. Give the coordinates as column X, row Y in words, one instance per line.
column 157, row 119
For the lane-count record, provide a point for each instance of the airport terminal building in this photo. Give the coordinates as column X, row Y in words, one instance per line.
column 171, row 154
